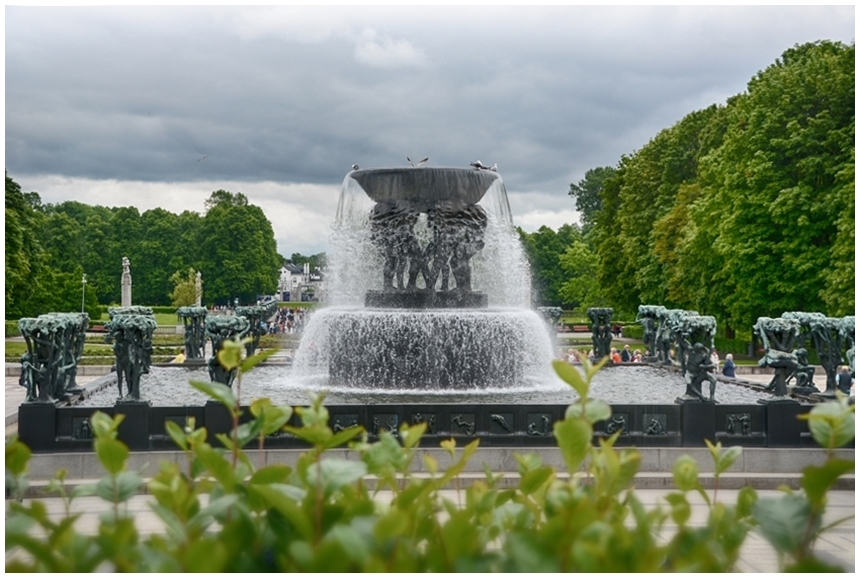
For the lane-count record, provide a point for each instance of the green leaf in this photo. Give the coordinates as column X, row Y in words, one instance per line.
column 831, row 423
column 284, row 501
column 686, row 473
column 533, row 480
column 680, row 508
column 727, row 458
column 251, row 362
column 217, row 391
column 784, row 521
column 343, row 436
column 317, row 434
column 274, row 474
column 206, row 555
column 334, row 473
column 573, row 436
column 17, row 456
column 118, row 488
column 105, row 425
column 411, row 435
column 230, row 354
column 817, row 480
column 219, row 467
column 112, row 454
column 812, row 565
column 177, row 434
column 747, row 497
column 593, row 410
column 571, row 376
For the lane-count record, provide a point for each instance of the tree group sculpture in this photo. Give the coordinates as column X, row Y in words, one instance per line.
column 55, row 343
column 601, row 330
column 220, row 328
column 846, row 336
column 647, row 316
column 130, row 329
column 779, row 337
column 255, row 315
column 694, row 335
column 193, row 318
column 804, row 374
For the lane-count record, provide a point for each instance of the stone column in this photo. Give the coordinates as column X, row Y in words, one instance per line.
column 198, row 290
column 126, row 283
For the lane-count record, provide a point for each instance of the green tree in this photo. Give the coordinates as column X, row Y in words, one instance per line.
column 782, row 185
column 543, row 249
column 579, row 265
column 315, row 261
column 237, row 248
column 586, row 193
column 184, row 292
column 25, row 255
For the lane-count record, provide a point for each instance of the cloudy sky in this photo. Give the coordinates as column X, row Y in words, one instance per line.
column 159, row 106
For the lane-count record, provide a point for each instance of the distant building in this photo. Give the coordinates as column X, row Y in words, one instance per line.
column 299, row 283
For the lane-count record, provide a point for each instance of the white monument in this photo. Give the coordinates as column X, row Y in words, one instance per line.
column 198, row 290
column 126, row 283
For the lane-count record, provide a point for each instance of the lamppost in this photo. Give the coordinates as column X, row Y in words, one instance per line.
column 83, row 291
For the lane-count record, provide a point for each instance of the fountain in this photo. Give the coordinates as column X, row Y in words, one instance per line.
column 429, row 320
column 429, row 288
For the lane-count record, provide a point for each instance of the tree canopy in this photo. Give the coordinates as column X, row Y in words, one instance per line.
column 741, row 210
column 49, row 248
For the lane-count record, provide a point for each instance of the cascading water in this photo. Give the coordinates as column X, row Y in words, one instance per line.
column 427, row 288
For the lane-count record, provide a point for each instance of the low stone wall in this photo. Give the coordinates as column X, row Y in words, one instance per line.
column 46, row 428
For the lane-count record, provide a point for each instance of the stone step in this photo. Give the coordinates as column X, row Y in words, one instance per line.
column 509, row 480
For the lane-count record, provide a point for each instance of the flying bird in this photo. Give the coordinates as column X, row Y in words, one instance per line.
column 355, row 167
column 419, row 163
column 203, row 158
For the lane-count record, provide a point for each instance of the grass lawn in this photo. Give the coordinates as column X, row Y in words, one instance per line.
column 160, row 318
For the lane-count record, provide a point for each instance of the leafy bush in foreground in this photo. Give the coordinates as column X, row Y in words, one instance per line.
column 321, row 516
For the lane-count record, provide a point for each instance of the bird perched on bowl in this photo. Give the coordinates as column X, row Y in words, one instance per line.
column 355, row 167
column 478, row 165
column 495, row 168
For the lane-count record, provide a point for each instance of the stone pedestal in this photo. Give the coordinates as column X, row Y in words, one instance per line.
column 698, row 423
column 37, row 425
column 134, row 429
column 783, row 427
column 216, row 419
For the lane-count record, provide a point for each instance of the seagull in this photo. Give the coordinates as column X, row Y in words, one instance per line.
column 478, row 165
column 355, row 167
column 203, row 158
column 495, row 168
column 419, row 163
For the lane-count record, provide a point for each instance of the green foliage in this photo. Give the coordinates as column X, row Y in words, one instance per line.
column 184, row 292
column 633, row 331
column 587, row 195
column 322, row 516
column 49, row 247
column 11, row 329
column 742, row 210
column 543, row 249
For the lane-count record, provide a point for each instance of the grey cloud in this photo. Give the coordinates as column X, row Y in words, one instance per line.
column 295, row 96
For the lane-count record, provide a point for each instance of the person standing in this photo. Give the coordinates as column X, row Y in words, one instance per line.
column 844, row 380
column 715, row 360
column 729, row 366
